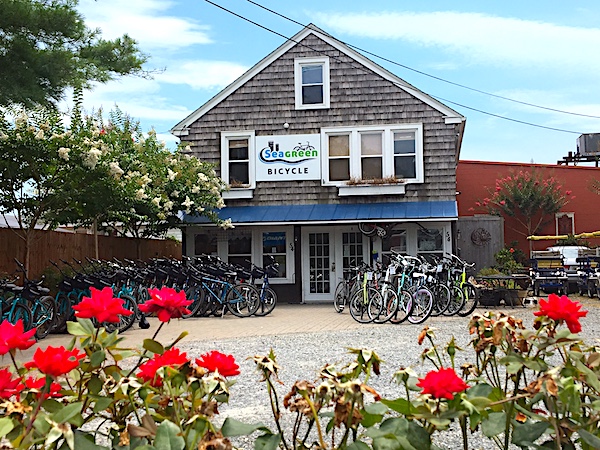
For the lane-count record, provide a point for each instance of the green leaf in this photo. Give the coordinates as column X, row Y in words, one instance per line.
column 590, row 439
column 232, row 427
column 590, row 376
column 376, row 408
column 524, row 434
column 97, row 358
column 267, row 442
column 94, row 385
column 537, row 365
column 101, row 403
column 479, row 390
column 180, row 337
column 400, row 433
column 76, row 329
column 153, row 346
column 67, row 413
column 400, row 405
column 167, row 436
column 84, row 441
column 6, row 426
column 494, row 424
column 358, row 445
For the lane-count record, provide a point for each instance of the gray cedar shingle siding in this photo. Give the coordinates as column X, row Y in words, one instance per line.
column 358, row 96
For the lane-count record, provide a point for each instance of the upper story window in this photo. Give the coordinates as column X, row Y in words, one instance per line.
column 390, row 154
column 237, row 163
column 311, row 83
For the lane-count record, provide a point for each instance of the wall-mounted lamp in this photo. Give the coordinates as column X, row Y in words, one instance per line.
column 286, row 125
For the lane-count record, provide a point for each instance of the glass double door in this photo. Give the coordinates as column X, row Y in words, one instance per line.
column 326, row 253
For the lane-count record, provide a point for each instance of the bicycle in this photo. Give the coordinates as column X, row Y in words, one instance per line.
column 267, row 296
column 347, row 286
column 366, row 302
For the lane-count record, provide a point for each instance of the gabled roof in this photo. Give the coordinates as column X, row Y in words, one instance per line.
column 451, row 116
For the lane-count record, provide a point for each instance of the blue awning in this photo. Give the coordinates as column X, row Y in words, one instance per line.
column 346, row 213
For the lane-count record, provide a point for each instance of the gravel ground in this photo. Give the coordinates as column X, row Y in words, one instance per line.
column 301, row 356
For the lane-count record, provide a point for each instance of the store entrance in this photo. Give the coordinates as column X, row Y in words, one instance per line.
column 326, row 253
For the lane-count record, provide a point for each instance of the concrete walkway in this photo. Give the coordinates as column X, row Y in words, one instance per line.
column 285, row 319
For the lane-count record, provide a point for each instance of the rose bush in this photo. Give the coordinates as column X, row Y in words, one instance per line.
column 529, row 388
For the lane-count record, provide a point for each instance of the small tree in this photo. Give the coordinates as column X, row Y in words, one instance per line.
column 529, row 197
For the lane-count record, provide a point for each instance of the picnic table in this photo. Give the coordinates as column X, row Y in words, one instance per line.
column 508, row 289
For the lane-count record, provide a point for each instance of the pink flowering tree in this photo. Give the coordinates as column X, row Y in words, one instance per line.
column 530, row 198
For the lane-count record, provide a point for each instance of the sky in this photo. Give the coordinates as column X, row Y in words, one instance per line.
column 542, row 55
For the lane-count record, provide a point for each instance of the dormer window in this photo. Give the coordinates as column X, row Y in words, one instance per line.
column 311, row 83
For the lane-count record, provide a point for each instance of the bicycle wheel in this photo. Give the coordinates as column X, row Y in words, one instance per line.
column 422, row 304
column 471, row 294
column 195, row 294
column 457, row 300
column 441, row 299
column 243, row 299
column 20, row 311
column 340, row 296
column 125, row 322
column 63, row 312
column 388, row 307
column 267, row 303
column 405, row 306
column 44, row 313
column 359, row 305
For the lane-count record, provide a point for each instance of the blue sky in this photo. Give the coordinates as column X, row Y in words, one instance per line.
column 539, row 52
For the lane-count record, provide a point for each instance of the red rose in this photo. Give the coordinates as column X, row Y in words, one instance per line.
column 218, row 362
column 167, row 303
column 55, row 361
column 9, row 386
column 170, row 358
column 443, row 383
column 512, row 250
column 101, row 306
column 13, row 337
column 562, row 308
column 36, row 385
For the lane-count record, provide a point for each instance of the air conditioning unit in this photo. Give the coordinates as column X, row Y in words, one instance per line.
column 588, row 144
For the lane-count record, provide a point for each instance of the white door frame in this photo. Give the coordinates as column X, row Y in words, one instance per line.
column 335, row 259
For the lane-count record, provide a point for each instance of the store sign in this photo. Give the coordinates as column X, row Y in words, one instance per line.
column 289, row 157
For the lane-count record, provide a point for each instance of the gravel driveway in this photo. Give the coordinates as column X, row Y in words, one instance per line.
column 301, row 355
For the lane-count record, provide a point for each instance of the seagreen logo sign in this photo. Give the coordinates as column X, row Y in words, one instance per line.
column 288, row 157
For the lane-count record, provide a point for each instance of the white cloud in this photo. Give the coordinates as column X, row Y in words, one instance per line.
column 480, row 38
column 146, row 21
column 201, row 74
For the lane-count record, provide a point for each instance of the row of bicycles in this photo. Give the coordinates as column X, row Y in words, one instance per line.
column 214, row 286
column 408, row 289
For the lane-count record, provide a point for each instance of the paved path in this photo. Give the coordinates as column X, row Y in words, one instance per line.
column 285, row 319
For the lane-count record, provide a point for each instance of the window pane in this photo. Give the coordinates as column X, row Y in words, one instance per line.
column 430, row 240
column 274, row 242
column 312, row 74
column 238, row 149
column 405, row 167
column 396, row 242
column 371, row 168
column 312, row 95
column 404, row 143
column 282, row 266
column 339, row 169
column 339, row 145
column 240, row 246
column 205, row 244
column 240, row 261
column 238, row 173
column 371, row 144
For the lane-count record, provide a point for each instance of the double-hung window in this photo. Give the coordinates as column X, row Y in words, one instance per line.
column 237, row 163
column 311, row 77
column 381, row 155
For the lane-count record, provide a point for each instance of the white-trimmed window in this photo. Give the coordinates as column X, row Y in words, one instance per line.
column 311, row 81
column 390, row 154
column 565, row 223
column 277, row 242
column 237, row 163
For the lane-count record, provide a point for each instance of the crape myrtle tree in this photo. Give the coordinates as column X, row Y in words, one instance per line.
column 45, row 48
column 529, row 198
column 91, row 172
column 155, row 186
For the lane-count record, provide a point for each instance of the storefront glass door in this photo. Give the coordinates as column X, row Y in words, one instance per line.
column 320, row 259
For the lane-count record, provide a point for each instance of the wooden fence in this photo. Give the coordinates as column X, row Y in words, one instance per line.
column 52, row 245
